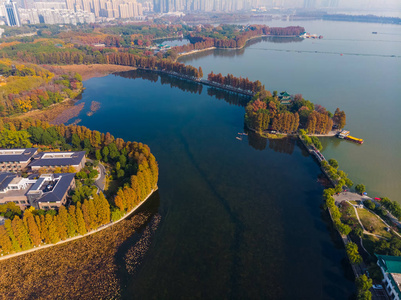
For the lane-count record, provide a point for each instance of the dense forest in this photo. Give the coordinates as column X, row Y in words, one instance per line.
column 130, row 163
column 232, row 36
column 266, row 112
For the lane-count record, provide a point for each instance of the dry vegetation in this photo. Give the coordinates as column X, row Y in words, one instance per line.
column 67, row 114
column 53, row 112
column 90, row 71
column 81, row 269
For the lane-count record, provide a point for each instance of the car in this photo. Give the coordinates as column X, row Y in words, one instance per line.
column 377, row 286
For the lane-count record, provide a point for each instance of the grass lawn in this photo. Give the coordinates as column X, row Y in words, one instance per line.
column 369, row 221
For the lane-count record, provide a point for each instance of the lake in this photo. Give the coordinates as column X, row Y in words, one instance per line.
column 350, row 68
column 238, row 218
column 242, row 218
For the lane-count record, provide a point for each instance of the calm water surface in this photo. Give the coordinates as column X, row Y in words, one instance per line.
column 239, row 219
column 364, row 81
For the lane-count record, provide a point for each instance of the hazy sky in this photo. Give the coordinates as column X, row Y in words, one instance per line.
column 346, row 4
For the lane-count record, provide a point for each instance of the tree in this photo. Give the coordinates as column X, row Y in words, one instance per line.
column 339, row 118
column 369, row 204
column 333, row 163
column 98, row 155
column 5, row 242
column 21, row 233
column 353, row 254
column 33, row 228
column 360, row 188
column 80, row 220
column 62, row 223
column 52, row 229
column 363, row 285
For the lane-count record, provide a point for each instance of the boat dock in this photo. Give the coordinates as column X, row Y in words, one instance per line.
column 344, row 134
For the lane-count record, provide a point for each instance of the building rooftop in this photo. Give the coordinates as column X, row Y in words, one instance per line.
column 391, row 264
column 5, row 180
column 53, row 187
column 21, row 155
column 45, row 159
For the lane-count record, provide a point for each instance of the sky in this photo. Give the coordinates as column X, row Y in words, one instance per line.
column 379, row 5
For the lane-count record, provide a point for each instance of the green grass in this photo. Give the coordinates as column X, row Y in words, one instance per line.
column 369, row 220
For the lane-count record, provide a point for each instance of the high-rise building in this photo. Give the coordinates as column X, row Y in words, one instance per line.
column 12, row 15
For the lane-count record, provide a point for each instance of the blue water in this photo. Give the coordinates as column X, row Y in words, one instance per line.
column 240, row 219
column 364, row 82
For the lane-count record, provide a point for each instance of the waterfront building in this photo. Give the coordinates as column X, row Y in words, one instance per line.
column 391, row 269
column 12, row 15
column 16, row 160
column 51, row 160
column 49, row 191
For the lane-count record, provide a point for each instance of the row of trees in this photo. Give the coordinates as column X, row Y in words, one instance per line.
column 36, row 229
column 237, row 82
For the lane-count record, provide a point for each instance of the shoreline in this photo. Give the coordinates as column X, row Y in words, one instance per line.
column 236, row 48
column 2, row 258
column 215, row 48
column 95, row 70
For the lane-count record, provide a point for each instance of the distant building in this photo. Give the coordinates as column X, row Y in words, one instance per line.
column 52, row 160
column 47, row 192
column 15, row 160
column 12, row 15
column 285, row 98
column 391, row 269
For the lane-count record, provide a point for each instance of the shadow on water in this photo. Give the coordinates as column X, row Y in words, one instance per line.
column 130, row 254
column 282, row 145
column 186, row 86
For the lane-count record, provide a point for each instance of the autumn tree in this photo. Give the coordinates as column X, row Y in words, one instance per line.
column 339, row 118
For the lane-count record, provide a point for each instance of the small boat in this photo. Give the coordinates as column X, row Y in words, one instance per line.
column 238, row 138
column 374, row 32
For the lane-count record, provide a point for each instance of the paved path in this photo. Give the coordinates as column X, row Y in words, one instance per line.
column 101, row 180
column 364, row 229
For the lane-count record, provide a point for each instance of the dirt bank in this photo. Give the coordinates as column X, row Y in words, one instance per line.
column 90, row 71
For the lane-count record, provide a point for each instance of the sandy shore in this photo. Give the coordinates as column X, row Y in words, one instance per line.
column 91, row 71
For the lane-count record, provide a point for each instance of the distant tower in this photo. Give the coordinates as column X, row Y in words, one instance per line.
column 12, row 15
